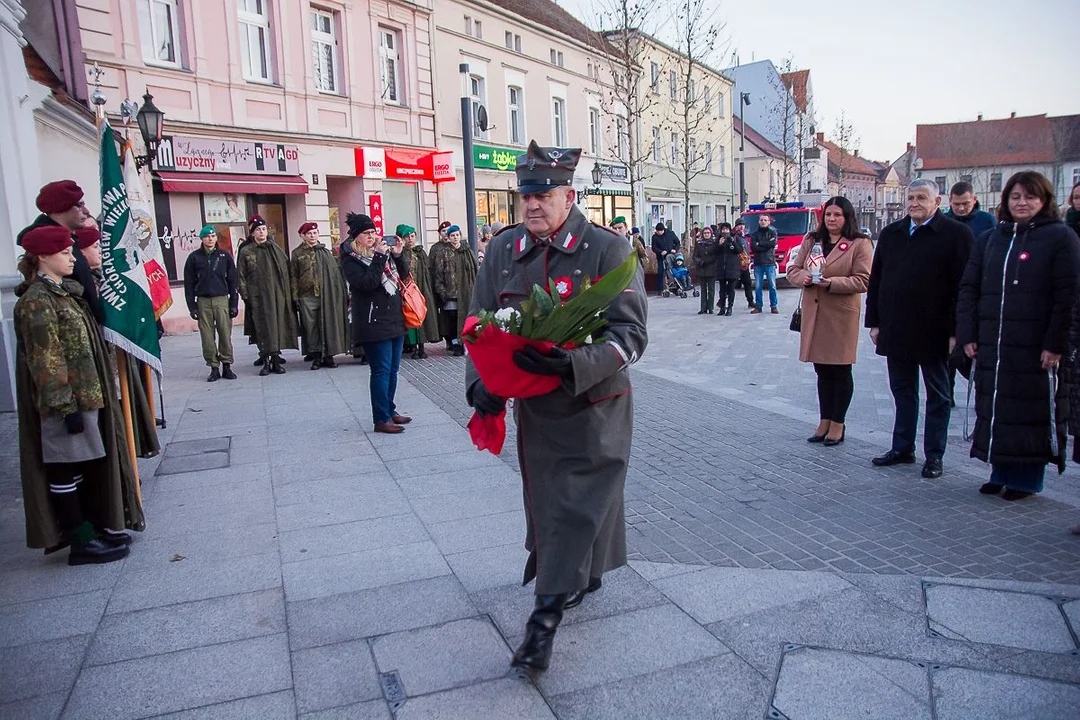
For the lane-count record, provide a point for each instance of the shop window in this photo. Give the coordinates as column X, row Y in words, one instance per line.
column 516, row 107
column 254, row 16
column 558, row 121
column 159, row 29
column 494, row 206
column 390, row 66
column 324, row 50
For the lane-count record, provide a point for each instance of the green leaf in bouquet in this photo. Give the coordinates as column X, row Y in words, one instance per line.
column 542, row 302
column 563, row 323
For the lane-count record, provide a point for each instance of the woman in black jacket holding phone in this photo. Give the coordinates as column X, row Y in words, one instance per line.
column 728, row 267
column 375, row 271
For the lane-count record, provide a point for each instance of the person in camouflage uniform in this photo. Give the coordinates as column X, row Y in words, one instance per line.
column 76, row 475
column 319, row 296
column 266, row 288
column 420, row 265
column 453, row 274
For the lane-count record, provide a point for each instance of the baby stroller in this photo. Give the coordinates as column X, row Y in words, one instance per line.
column 678, row 278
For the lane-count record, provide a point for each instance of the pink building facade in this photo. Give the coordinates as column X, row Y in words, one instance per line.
column 294, row 110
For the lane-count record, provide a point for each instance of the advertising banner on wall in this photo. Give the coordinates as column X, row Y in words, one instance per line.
column 182, row 153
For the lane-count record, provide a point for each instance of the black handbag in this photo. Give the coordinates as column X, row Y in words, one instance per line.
column 796, row 319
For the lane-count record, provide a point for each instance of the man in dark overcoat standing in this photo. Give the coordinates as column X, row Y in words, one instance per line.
column 911, row 313
column 573, row 443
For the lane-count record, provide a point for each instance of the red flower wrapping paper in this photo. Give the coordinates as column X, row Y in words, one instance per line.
column 492, row 353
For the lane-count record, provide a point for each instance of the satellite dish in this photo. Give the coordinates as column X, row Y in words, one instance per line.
column 482, row 119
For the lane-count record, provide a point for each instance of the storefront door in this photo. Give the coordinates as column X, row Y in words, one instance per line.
column 272, row 210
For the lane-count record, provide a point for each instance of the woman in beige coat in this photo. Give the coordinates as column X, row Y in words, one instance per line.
column 830, row 310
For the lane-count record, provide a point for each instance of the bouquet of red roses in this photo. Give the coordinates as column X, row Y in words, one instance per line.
column 544, row 322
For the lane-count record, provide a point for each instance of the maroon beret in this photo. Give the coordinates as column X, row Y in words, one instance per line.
column 308, row 226
column 46, row 240
column 87, row 236
column 254, row 222
column 59, row 196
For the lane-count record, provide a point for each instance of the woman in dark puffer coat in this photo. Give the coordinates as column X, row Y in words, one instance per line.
column 1013, row 316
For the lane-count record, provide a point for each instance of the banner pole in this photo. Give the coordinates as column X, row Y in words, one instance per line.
column 148, row 384
column 129, row 428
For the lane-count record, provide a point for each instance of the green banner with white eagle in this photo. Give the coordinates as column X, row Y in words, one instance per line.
column 125, row 290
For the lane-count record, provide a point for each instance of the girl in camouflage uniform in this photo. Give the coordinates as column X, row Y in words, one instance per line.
column 76, row 479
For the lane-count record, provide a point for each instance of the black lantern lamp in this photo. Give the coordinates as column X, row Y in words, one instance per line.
column 597, row 174
column 150, row 120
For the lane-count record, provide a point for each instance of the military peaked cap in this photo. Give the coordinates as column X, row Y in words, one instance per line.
column 544, row 168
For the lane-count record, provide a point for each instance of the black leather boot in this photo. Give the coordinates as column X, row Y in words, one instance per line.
column 535, row 649
column 328, row 362
column 275, row 365
column 266, row 364
column 421, row 353
column 574, row 599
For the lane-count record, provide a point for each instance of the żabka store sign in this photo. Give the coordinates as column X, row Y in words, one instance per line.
column 404, row 164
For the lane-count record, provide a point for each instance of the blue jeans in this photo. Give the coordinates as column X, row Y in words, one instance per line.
column 760, row 273
column 384, row 358
column 1025, row 477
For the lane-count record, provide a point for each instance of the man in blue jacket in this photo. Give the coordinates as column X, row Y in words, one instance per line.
column 964, row 207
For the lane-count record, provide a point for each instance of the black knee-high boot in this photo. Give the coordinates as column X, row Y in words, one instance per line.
column 535, row 650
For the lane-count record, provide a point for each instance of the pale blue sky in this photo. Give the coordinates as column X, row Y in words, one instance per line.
column 893, row 65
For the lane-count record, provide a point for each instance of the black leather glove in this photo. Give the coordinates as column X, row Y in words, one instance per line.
column 532, row 360
column 194, row 315
column 484, row 402
column 233, row 312
column 296, row 305
column 74, row 423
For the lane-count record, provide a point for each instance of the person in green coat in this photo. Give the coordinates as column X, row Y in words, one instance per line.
column 266, row 288
column 319, row 297
column 453, row 274
column 77, row 478
column 421, row 272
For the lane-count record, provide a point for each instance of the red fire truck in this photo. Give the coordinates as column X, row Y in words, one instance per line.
column 792, row 220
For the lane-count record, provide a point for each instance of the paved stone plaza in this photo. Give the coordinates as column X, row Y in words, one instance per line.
column 295, row 564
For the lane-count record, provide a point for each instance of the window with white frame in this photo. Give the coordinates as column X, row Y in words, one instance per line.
column 707, row 99
column 691, row 90
column 393, row 93
column 324, row 50
column 159, row 27
column 558, row 121
column 623, row 138
column 708, row 157
column 995, row 180
column 254, row 17
column 673, row 84
column 478, row 30
column 722, row 103
column 559, row 60
column 722, row 153
column 516, row 104
column 478, row 97
column 1076, row 178
column 594, row 131
column 654, row 78
column 692, row 161
column 674, row 148
column 656, row 145
column 513, row 41
column 552, row 56
column 468, row 25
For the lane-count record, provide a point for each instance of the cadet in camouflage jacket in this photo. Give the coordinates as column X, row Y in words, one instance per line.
column 52, row 326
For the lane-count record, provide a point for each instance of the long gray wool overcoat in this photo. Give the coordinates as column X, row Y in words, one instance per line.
column 573, row 443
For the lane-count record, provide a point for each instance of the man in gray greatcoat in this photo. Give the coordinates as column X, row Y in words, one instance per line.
column 573, row 443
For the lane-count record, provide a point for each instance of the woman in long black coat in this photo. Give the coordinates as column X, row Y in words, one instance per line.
column 1013, row 318
column 705, row 263
column 728, row 267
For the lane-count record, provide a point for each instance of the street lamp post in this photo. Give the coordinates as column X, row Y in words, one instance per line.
column 467, row 151
column 744, row 99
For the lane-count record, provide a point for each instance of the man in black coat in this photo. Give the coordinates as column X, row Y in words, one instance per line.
column 665, row 244
column 911, row 313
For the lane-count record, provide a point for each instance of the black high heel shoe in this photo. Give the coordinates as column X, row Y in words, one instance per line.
column 815, row 439
column 829, row 442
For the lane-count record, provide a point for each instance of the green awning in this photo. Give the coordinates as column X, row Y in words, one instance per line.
column 607, row 191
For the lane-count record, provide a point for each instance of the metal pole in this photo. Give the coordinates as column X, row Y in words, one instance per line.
column 467, row 150
column 742, row 152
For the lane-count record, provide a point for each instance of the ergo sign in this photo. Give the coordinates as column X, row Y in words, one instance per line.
column 374, row 162
column 404, row 164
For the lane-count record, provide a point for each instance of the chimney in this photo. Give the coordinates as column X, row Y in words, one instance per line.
column 821, row 137
column 909, row 147
column 980, row 116
column 1012, row 114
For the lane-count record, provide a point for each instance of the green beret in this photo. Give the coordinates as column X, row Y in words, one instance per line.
column 207, row 230
column 616, row 220
column 404, row 230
